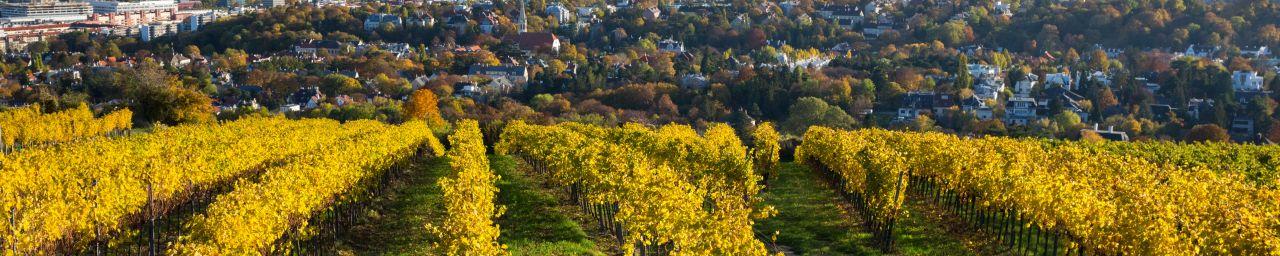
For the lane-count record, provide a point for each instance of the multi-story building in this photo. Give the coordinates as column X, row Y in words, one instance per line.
column 111, row 6
column 146, row 32
column 44, row 8
column 274, row 3
column 196, row 19
column 231, row 3
column 132, row 14
column 16, row 38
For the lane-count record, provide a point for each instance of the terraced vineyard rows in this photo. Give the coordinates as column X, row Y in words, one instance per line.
column 30, row 126
column 1062, row 199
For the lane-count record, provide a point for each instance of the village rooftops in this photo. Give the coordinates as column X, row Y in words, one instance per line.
column 535, row 40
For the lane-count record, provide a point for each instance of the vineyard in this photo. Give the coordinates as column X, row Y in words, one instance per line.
column 1057, row 198
column 275, row 186
column 29, row 126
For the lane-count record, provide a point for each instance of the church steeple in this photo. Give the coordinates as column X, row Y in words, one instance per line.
column 523, row 20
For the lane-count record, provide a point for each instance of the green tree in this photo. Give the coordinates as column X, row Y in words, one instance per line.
column 809, row 111
column 963, row 78
column 334, row 84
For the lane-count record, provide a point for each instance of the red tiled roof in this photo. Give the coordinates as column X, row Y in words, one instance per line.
column 533, row 40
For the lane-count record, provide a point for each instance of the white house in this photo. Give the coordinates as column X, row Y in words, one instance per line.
column 1058, row 79
column 1020, row 111
column 560, row 13
column 1202, row 51
column 671, row 45
column 1256, row 52
column 1024, row 87
column 988, row 83
column 1246, row 81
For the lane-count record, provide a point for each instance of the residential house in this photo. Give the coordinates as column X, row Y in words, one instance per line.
column 1147, row 84
column 223, row 78
column 814, row 61
column 1110, row 133
column 1202, row 51
column 518, row 75
column 424, row 20
column 500, row 86
column 533, row 41
column 788, row 5
column 977, row 107
column 1255, row 51
column 1241, row 127
column 1162, row 112
column 467, row 89
column 420, row 81
column 1248, row 86
column 1061, row 97
column 922, row 103
column 178, row 60
column 314, row 47
column 560, row 13
column 876, row 29
column 1197, row 107
column 1024, row 87
column 652, row 13
column 694, row 81
column 1062, row 80
column 1100, row 78
column 377, row 20
column 842, row 48
column 1243, row 81
column 458, row 22
column 586, row 11
column 743, row 21
column 233, row 103
column 1003, row 8
column 304, row 98
column 400, row 50
column 844, row 16
column 487, row 23
column 1020, row 111
column 671, row 45
column 988, row 81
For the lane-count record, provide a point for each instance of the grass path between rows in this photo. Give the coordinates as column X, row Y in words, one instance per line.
column 535, row 222
column 532, row 225
column 814, row 220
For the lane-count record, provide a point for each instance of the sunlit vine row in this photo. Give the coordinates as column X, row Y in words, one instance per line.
column 764, row 150
column 29, row 126
column 1108, row 203
column 96, row 187
column 716, row 162
column 657, row 204
column 469, row 195
column 1259, row 164
column 251, row 218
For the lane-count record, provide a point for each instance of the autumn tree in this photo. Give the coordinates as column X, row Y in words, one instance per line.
column 1208, row 133
column 160, row 97
column 423, row 105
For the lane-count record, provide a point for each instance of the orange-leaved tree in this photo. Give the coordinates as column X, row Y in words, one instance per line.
column 423, row 105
